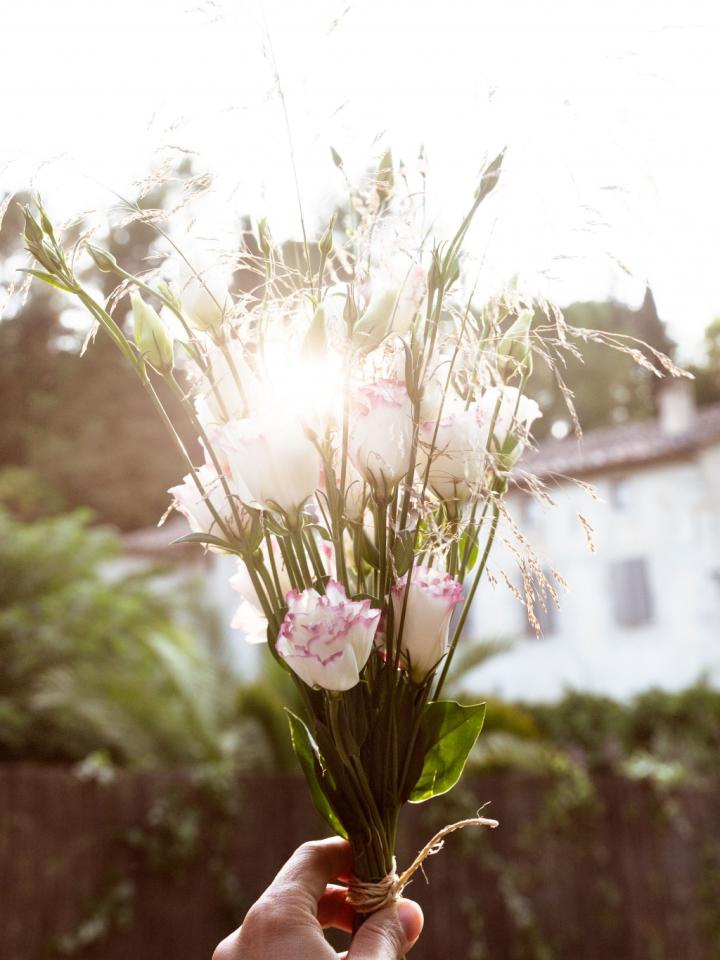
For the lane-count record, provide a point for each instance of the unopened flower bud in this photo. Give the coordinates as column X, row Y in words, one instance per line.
column 516, row 341
column 326, row 241
column 165, row 290
column 47, row 257
column 350, row 311
column 103, row 260
column 490, row 177
column 33, row 230
column 264, row 237
column 315, row 339
column 151, row 336
column 451, row 271
column 394, row 305
column 337, row 159
column 45, row 222
column 385, row 178
column 514, row 348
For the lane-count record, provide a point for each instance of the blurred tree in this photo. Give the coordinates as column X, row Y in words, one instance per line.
column 609, row 387
column 26, row 496
column 84, row 425
column 707, row 372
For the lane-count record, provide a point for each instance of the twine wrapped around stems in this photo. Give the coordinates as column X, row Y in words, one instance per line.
column 369, row 896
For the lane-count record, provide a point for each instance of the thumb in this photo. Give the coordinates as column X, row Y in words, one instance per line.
column 389, row 933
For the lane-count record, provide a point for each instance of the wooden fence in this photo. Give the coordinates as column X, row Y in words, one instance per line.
column 150, row 866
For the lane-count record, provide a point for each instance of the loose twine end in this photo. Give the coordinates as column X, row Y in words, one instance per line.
column 367, row 897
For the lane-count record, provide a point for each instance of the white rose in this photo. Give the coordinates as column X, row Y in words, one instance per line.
column 277, row 464
column 381, row 433
column 457, row 457
column 432, row 597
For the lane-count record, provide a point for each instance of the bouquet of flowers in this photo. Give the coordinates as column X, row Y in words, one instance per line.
column 359, row 415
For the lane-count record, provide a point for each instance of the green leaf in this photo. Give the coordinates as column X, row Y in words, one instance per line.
column 470, row 536
column 403, row 552
column 370, row 553
column 272, row 526
column 47, row 278
column 203, row 538
column 323, row 532
column 306, row 750
column 449, row 731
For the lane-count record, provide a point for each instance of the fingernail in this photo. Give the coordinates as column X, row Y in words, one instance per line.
column 410, row 918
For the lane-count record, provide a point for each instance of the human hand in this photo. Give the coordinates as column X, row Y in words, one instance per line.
column 287, row 922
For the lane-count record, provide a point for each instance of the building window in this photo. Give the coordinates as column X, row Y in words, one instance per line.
column 619, row 493
column 630, row 590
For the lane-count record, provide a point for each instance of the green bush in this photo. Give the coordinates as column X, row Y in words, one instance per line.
column 679, row 729
column 593, row 724
column 93, row 658
column 682, row 727
column 26, row 496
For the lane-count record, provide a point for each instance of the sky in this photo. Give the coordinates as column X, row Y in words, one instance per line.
column 608, row 112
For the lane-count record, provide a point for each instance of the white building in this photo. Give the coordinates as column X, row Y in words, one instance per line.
column 643, row 610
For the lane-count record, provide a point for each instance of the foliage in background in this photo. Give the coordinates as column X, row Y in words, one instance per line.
column 655, row 732
column 94, row 659
column 86, row 428
column 609, row 388
column 707, row 370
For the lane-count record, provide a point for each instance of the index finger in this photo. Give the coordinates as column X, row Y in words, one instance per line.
column 309, row 870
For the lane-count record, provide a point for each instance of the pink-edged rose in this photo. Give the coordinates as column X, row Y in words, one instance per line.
column 381, row 432
column 327, row 639
column 432, row 597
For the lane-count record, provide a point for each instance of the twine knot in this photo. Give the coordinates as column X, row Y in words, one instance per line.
column 368, row 896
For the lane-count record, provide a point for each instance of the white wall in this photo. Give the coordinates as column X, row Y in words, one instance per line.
column 670, row 515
